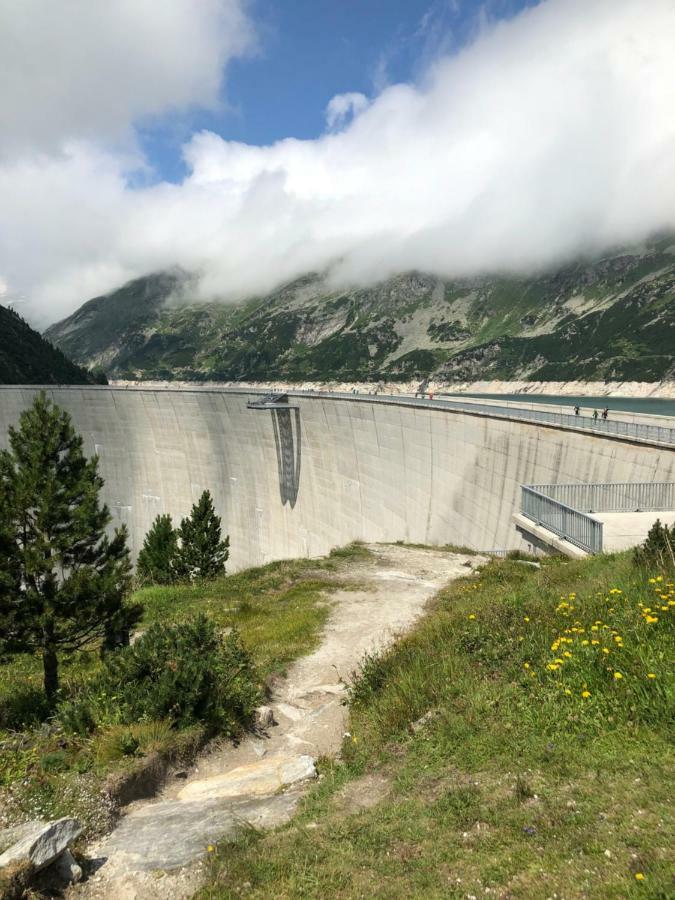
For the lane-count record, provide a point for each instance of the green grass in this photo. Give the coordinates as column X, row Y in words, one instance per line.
column 279, row 609
column 515, row 787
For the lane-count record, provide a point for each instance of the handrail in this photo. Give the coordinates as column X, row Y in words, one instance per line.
column 564, row 508
column 577, row 527
column 619, row 496
column 652, row 434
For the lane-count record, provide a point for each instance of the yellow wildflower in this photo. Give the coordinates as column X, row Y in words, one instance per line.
column 585, row 694
column 651, row 675
column 472, row 616
column 639, row 876
column 618, row 676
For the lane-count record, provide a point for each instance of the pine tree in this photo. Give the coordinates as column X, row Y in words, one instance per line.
column 157, row 560
column 658, row 548
column 202, row 553
column 62, row 579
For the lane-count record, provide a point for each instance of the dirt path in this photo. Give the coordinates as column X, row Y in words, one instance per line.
column 155, row 852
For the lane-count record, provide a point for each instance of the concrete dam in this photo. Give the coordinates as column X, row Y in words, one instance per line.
column 324, row 470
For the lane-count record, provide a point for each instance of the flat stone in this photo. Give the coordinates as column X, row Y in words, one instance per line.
column 174, row 833
column 40, row 843
column 291, row 712
column 258, row 779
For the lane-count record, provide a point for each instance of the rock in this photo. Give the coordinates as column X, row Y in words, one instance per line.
column 40, row 843
column 67, row 868
column 59, row 874
column 257, row 779
column 423, row 721
column 264, row 717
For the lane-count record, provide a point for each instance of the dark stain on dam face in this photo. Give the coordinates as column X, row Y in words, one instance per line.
column 288, row 440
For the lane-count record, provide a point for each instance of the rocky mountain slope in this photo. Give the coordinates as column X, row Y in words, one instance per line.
column 607, row 319
column 27, row 358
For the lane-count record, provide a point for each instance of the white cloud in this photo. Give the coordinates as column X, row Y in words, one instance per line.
column 552, row 134
column 343, row 107
column 75, row 69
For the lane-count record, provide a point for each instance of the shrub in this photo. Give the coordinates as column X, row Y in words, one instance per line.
column 658, row 549
column 121, row 741
column 185, row 673
column 368, row 679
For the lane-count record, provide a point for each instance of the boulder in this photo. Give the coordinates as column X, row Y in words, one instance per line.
column 38, row 843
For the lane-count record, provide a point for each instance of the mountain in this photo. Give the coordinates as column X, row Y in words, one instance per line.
column 605, row 319
column 27, row 358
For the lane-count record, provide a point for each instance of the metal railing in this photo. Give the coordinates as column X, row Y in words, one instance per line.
column 659, row 434
column 612, row 497
column 564, row 508
column 576, row 527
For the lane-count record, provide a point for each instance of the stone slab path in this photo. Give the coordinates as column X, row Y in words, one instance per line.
column 156, row 850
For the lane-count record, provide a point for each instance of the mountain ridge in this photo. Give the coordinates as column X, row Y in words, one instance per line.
column 611, row 318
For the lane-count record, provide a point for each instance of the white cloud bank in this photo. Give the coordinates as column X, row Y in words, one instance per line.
column 551, row 135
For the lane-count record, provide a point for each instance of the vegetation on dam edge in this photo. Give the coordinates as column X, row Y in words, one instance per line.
column 515, row 744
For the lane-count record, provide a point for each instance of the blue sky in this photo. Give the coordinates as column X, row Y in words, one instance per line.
column 311, row 50
column 471, row 119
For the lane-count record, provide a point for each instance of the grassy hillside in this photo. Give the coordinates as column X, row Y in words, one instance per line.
column 517, row 744
column 50, row 768
column 27, row 358
column 611, row 318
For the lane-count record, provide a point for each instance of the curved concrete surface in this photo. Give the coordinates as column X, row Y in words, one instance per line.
column 298, row 482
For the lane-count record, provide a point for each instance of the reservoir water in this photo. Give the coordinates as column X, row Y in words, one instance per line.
column 647, row 405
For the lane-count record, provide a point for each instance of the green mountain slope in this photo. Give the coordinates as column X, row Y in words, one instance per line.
column 27, row 358
column 612, row 318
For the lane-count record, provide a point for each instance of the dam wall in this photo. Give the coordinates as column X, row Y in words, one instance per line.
column 327, row 471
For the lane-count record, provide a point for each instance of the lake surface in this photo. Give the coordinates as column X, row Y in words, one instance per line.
column 647, row 405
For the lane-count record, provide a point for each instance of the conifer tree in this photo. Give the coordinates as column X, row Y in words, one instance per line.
column 62, row 579
column 202, row 553
column 658, row 548
column 157, row 560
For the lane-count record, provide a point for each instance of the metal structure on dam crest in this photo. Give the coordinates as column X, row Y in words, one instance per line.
column 300, row 473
